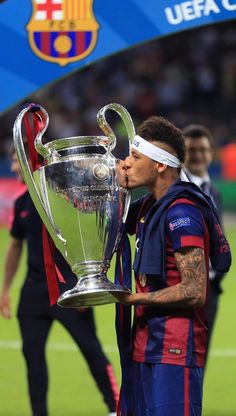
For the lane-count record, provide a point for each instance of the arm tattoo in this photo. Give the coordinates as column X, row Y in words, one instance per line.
column 192, row 267
column 191, row 291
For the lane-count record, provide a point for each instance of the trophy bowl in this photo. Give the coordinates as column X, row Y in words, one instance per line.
column 80, row 201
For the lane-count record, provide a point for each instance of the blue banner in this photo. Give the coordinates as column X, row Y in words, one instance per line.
column 45, row 40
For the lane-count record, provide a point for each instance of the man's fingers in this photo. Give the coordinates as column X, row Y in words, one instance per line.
column 124, row 298
column 5, row 308
column 6, row 312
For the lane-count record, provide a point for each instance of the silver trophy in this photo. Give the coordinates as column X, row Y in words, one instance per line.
column 78, row 197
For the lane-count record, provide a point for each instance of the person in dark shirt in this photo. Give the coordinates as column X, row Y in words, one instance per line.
column 36, row 316
column 199, row 154
column 173, row 236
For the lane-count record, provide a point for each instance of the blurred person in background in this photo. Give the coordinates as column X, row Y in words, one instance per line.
column 36, row 316
column 199, row 155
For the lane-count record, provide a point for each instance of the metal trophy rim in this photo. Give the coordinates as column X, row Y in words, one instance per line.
column 91, row 297
column 74, row 141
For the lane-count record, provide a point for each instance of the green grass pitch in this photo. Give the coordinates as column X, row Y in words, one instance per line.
column 72, row 390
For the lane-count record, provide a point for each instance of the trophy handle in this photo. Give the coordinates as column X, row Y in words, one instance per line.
column 106, row 128
column 26, row 170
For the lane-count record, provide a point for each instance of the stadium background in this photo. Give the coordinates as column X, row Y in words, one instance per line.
column 189, row 77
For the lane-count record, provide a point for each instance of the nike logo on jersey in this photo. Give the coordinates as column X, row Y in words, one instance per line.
column 24, row 214
column 176, row 351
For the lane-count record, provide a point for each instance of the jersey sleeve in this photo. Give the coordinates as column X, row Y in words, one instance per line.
column 185, row 226
column 16, row 226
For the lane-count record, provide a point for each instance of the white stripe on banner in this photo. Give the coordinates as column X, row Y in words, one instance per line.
column 65, row 346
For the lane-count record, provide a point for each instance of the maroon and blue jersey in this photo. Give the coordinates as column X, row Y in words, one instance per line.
column 169, row 335
column 26, row 225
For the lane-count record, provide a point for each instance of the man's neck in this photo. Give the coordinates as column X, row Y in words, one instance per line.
column 163, row 184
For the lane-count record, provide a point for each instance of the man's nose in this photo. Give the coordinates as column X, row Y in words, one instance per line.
column 127, row 162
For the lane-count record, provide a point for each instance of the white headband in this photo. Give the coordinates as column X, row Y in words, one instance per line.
column 156, row 153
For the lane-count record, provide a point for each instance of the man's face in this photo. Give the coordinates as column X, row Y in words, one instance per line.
column 140, row 170
column 15, row 167
column 198, row 155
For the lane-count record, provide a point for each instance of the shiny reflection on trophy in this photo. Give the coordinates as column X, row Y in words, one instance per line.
column 78, row 197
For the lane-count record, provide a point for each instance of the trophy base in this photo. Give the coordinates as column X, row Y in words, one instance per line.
column 91, row 291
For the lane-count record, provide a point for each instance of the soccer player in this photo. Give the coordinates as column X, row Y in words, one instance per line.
column 36, row 316
column 199, row 154
column 174, row 226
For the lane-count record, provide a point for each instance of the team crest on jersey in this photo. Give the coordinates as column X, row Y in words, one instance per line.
column 143, row 280
column 62, row 31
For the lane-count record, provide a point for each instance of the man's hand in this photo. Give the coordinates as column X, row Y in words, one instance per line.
column 5, row 306
column 125, row 298
column 121, row 173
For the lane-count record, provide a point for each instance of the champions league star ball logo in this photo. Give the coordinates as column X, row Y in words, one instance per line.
column 62, row 31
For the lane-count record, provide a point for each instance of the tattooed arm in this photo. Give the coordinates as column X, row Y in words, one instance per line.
column 191, row 291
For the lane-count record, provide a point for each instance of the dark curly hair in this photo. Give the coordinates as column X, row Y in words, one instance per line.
column 197, row 131
column 159, row 129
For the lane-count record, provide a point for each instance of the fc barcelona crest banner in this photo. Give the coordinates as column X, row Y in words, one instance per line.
column 62, row 31
column 45, row 40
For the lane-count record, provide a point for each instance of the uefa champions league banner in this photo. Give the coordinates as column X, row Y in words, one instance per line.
column 45, row 40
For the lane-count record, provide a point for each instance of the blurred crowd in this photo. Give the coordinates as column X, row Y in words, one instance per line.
column 189, row 78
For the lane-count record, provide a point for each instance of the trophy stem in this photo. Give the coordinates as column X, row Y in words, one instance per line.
column 91, row 290
column 89, row 268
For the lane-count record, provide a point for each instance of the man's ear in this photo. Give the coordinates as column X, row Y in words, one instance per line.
column 160, row 167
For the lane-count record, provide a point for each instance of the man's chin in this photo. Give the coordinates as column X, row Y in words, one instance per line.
column 133, row 185
column 197, row 170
